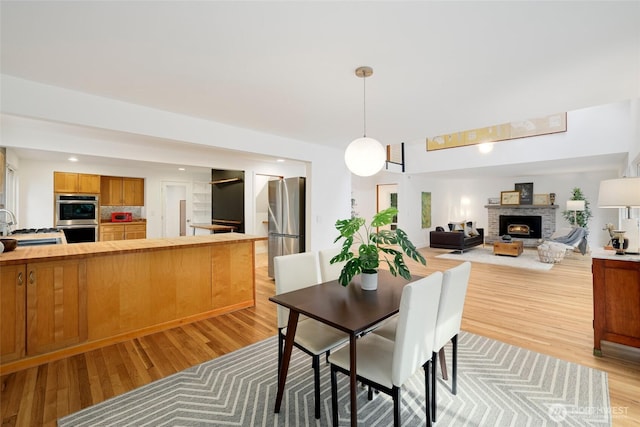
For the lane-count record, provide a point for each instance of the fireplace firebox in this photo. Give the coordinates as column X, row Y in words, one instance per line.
column 523, row 226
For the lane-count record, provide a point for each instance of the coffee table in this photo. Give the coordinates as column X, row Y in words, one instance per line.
column 513, row 248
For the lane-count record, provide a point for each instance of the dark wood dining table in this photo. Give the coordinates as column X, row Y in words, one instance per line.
column 349, row 309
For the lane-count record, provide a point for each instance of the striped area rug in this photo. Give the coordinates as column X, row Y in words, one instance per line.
column 498, row 385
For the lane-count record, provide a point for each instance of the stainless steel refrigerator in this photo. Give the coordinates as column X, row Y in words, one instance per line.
column 286, row 218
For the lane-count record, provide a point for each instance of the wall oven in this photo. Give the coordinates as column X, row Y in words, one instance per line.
column 77, row 216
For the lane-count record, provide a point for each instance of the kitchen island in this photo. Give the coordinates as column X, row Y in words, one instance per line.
column 58, row 300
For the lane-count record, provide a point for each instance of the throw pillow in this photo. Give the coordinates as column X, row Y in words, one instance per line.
column 456, row 226
column 470, row 229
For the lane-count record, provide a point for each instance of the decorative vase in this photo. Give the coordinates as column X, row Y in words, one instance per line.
column 619, row 242
column 369, row 281
column 552, row 198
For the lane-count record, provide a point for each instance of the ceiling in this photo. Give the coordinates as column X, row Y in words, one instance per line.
column 287, row 68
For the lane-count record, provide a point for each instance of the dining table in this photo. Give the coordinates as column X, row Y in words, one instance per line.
column 347, row 308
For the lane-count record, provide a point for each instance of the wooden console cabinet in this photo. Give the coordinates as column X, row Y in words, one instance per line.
column 616, row 302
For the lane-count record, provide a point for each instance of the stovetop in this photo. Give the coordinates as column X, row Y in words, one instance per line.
column 35, row 230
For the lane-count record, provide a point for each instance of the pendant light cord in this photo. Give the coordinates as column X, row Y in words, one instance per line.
column 364, row 106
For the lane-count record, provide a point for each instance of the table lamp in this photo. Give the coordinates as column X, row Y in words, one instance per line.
column 623, row 193
column 575, row 206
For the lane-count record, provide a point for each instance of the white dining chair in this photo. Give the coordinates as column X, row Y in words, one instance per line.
column 294, row 272
column 330, row 271
column 454, row 290
column 385, row 364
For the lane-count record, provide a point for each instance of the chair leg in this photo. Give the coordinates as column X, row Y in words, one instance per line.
column 427, row 398
column 443, row 364
column 334, row 397
column 396, row 406
column 280, row 351
column 454, row 364
column 434, row 385
column 316, row 385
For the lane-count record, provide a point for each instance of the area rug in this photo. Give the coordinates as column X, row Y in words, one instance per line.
column 498, row 385
column 528, row 259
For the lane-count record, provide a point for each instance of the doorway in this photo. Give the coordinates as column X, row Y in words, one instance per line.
column 174, row 209
column 386, row 197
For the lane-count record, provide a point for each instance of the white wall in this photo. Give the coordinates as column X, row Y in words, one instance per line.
column 78, row 118
column 48, row 118
column 603, row 129
column 594, row 131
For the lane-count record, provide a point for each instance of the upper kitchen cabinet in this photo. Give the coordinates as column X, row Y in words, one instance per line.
column 121, row 191
column 71, row 182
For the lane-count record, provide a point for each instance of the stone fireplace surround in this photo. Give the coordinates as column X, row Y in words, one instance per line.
column 547, row 212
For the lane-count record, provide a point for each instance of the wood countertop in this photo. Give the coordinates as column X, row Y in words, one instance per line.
column 25, row 254
column 135, row 221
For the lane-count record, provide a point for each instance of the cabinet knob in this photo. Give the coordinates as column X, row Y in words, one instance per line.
column 20, row 279
column 32, row 277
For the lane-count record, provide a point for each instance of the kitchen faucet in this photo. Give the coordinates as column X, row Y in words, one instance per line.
column 6, row 225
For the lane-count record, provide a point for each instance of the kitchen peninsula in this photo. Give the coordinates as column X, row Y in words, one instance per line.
column 59, row 300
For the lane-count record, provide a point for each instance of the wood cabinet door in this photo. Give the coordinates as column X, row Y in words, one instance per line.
column 65, row 182
column 133, row 191
column 232, row 281
column 56, row 305
column 111, row 232
column 12, row 312
column 88, row 183
column 111, row 191
column 135, row 231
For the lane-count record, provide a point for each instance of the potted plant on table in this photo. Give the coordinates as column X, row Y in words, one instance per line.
column 375, row 246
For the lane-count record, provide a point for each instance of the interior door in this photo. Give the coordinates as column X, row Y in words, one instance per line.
column 174, row 220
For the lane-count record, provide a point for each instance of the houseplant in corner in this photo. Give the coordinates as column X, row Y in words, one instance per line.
column 582, row 217
column 374, row 247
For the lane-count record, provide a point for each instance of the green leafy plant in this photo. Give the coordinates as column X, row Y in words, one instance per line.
column 582, row 217
column 375, row 246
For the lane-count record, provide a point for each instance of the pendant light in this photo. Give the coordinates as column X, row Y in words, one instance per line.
column 365, row 156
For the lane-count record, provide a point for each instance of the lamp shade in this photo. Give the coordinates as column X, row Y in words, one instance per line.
column 575, row 205
column 365, row 156
column 619, row 193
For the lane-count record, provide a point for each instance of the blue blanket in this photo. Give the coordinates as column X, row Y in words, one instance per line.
column 577, row 237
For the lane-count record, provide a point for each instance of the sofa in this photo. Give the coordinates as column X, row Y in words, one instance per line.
column 460, row 237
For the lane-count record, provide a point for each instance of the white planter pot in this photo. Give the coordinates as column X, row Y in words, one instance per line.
column 369, row 281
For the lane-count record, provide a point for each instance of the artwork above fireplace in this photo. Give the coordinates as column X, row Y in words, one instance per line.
column 521, row 226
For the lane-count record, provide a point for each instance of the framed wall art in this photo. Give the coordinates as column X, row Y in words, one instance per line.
column 509, row 197
column 426, row 209
column 540, row 199
column 526, row 192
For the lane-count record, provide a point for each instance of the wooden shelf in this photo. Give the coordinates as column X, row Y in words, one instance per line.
column 224, row 181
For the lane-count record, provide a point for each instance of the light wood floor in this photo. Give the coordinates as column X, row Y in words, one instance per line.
column 548, row 312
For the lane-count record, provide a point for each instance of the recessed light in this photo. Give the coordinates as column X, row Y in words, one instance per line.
column 485, row 147
column 73, row 159
column 280, row 160
column 181, row 169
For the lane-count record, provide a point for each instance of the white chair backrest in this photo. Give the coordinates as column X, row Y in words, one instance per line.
column 330, row 271
column 454, row 290
column 416, row 325
column 292, row 272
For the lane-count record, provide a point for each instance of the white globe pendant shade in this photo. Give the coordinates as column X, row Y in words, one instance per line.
column 365, row 156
